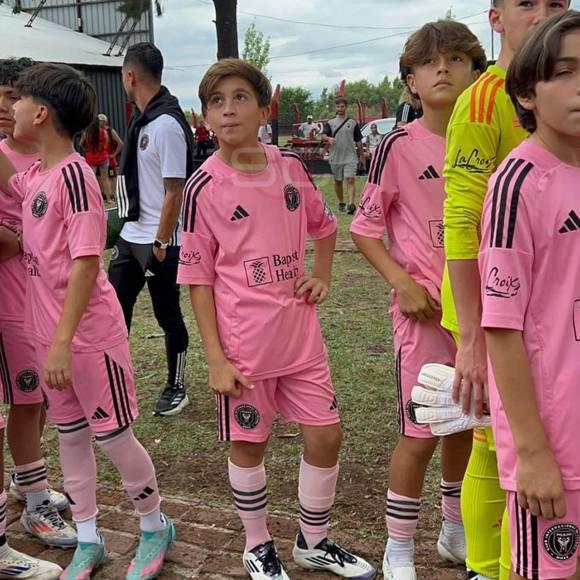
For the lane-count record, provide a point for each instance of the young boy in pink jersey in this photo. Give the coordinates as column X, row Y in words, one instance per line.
column 247, row 214
column 18, row 370
column 404, row 198
column 74, row 316
column 529, row 256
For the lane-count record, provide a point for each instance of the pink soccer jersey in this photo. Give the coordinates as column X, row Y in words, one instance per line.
column 530, row 251
column 404, row 198
column 12, row 273
column 63, row 219
column 245, row 235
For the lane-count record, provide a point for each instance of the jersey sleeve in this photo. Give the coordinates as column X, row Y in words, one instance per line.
column 379, row 193
column 172, row 149
column 506, row 256
column 320, row 220
column 199, row 245
column 83, row 210
column 17, row 186
column 470, row 161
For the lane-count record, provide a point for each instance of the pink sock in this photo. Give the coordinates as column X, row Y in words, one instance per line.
column 31, row 476
column 136, row 469
column 316, row 489
column 251, row 499
column 79, row 470
column 402, row 516
column 3, row 513
column 451, row 501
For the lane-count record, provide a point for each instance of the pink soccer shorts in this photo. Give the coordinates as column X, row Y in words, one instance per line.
column 544, row 549
column 102, row 390
column 417, row 343
column 306, row 397
column 19, row 373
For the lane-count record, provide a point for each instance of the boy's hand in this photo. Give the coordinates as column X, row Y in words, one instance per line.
column 470, row 384
column 318, row 289
column 414, row 300
column 226, row 379
column 539, row 484
column 57, row 367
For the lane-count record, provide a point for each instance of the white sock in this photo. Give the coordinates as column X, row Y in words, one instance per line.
column 453, row 529
column 153, row 522
column 400, row 553
column 87, row 532
column 36, row 499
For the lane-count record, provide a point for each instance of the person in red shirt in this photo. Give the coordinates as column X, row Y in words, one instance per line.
column 95, row 142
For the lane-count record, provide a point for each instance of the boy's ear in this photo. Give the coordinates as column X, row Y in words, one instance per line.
column 412, row 85
column 264, row 115
column 41, row 115
column 495, row 20
column 527, row 103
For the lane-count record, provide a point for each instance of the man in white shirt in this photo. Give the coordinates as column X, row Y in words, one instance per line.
column 265, row 134
column 309, row 129
column 157, row 160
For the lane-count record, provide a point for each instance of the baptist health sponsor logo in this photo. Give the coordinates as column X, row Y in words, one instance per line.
column 271, row 269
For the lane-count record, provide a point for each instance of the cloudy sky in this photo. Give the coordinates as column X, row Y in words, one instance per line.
column 315, row 43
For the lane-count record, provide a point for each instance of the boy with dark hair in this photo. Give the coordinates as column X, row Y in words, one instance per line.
column 482, row 132
column 19, row 373
column 529, row 244
column 75, row 319
column 405, row 194
column 343, row 136
column 247, row 214
column 157, row 158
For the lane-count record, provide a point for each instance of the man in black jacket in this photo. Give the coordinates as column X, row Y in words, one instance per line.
column 157, row 160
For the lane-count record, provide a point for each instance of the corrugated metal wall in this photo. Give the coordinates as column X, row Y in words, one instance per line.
column 99, row 18
column 111, row 97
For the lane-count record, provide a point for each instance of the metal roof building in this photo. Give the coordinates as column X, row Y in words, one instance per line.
column 49, row 42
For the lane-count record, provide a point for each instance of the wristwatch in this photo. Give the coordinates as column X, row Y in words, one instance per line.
column 160, row 245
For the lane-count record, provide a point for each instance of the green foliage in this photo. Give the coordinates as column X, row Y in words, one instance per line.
column 256, row 48
column 136, row 8
column 290, row 95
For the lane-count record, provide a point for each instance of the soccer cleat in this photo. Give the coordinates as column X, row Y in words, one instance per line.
column 351, row 209
column 451, row 547
column 14, row 564
column 436, row 406
column 151, row 551
column 263, row 563
column 172, row 401
column 58, row 500
column 398, row 572
column 342, row 207
column 46, row 524
column 86, row 559
column 330, row 557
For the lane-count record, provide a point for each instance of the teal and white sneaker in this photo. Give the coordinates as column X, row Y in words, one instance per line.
column 58, row 500
column 87, row 558
column 150, row 556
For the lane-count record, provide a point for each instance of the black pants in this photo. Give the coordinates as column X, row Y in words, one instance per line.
column 127, row 275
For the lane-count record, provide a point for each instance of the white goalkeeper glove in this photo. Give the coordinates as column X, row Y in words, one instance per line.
column 436, row 405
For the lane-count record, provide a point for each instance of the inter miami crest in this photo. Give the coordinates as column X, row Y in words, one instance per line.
column 292, row 197
column 144, row 143
column 27, row 381
column 247, row 416
column 39, row 204
column 561, row 541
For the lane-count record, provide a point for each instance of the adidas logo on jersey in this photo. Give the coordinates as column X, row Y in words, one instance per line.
column 239, row 214
column 572, row 223
column 429, row 173
column 99, row 415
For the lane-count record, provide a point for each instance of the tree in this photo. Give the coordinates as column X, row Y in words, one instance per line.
column 226, row 23
column 289, row 96
column 136, row 8
column 256, row 48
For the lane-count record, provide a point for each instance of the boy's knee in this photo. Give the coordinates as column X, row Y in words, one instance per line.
column 322, row 441
column 421, row 449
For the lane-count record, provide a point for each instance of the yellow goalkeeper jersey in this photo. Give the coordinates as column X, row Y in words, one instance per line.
column 483, row 130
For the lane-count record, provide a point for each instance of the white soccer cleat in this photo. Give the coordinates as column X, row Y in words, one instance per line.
column 58, row 499
column 436, row 405
column 14, row 564
column 451, row 547
column 398, row 572
column 263, row 563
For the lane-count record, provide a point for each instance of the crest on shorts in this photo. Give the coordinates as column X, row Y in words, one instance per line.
column 27, row 381
column 561, row 541
column 411, row 408
column 144, row 143
column 247, row 416
column 39, row 204
column 114, row 252
column 292, row 197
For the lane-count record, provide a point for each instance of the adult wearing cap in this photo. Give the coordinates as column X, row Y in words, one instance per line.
column 309, row 129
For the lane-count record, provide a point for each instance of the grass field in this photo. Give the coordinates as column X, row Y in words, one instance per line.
column 357, row 329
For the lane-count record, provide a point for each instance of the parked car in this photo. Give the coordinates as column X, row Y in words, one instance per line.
column 383, row 125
